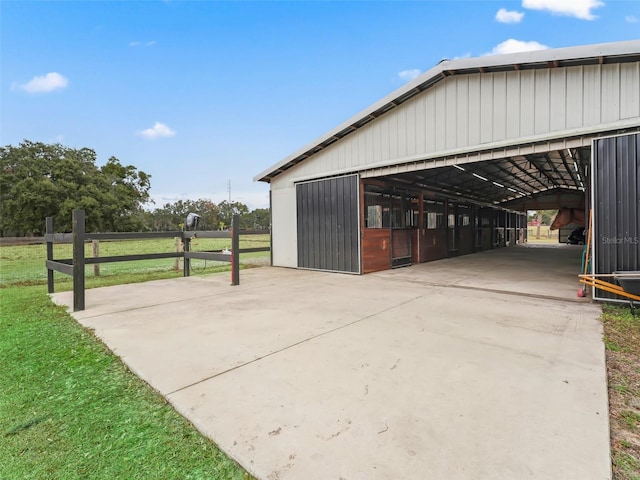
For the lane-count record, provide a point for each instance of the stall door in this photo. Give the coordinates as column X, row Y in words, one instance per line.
column 401, row 223
column 327, row 224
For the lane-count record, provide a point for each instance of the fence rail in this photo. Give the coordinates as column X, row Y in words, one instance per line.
column 75, row 266
column 11, row 241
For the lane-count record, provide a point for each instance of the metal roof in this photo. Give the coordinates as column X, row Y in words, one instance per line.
column 617, row 52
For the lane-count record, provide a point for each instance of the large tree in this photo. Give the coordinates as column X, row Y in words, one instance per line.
column 171, row 216
column 226, row 211
column 258, row 219
column 40, row 180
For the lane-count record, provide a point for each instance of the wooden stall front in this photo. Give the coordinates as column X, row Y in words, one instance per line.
column 401, row 227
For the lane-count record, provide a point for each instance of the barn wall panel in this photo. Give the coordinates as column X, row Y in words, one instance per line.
column 469, row 111
column 557, row 96
column 610, row 93
column 527, row 104
column 440, row 116
column 513, row 104
column 574, row 103
column 450, row 120
column 430, row 117
column 283, row 237
column 421, row 121
column 592, row 95
column 486, row 108
column 462, row 109
column 474, row 110
column 410, row 142
column 629, row 91
column 499, row 106
column 541, row 101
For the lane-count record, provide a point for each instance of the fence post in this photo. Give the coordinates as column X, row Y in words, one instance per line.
column 49, row 231
column 78, row 260
column 179, row 247
column 95, row 252
column 187, row 261
column 235, row 251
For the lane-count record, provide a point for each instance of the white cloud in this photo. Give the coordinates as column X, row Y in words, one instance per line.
column 44, row 84
column 572, row 8
column 158, row 130
column 464, row 55
column 516, row 46
column 631, row 19
column 142, row 44
column 407, row 75
column 509, row 16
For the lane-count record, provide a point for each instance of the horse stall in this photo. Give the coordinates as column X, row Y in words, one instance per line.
column 484, row 229
column 499, row 230
column 433, row 232
column 465, row 224
column 404, row 226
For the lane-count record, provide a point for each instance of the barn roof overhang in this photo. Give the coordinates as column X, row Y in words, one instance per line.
column 617, row 52
column 522, row 182
column 545, row 175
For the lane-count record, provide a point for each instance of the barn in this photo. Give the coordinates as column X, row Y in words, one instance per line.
column 449, row 163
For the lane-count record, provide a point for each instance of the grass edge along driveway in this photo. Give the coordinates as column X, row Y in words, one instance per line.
column 70, row 409
column 622, row 343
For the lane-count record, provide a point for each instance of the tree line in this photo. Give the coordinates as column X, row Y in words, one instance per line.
column 212, row 216
column 39, row 180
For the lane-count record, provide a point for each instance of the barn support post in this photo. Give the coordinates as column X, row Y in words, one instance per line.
column 49, row 231
column 78, row 260
column 235, row 251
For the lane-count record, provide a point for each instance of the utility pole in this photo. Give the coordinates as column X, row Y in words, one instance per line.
column 229, row 189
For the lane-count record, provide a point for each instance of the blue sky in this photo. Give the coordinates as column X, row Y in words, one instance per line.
column 202, row 93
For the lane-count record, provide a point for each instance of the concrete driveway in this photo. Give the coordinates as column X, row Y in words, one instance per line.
column 438, row 371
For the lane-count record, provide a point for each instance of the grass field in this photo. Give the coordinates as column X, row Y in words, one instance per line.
column 546, row 235
column 26, row 263
column 70, row 409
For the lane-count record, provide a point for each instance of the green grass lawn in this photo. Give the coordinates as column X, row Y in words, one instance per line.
column 22, row 264
column 622, row 343
column 546, row 235
column 70, row 409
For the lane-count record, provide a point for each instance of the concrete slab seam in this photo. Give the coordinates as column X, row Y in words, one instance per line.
column 275, row 352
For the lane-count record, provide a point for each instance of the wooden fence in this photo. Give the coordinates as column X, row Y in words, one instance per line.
column 75, row 266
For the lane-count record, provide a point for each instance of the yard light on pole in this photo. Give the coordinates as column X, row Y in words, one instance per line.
column 191, row 223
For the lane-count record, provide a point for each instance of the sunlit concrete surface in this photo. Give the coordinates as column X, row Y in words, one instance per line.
column 479, row 367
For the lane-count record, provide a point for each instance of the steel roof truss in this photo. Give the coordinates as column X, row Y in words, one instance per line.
column 533, row 161
column 568, row 169
column 525, row 172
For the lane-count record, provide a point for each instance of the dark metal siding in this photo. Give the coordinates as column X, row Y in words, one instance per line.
column 616, row 194
column 327, row 214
